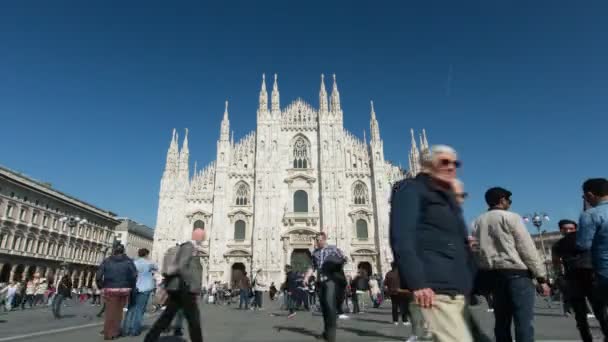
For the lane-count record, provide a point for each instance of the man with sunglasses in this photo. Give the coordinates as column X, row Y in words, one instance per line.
column 510, row 262
column 429, row 242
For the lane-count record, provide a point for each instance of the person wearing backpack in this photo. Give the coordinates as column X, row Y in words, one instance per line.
column 183, row 283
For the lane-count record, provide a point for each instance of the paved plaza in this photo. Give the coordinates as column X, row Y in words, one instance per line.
column 222, row 323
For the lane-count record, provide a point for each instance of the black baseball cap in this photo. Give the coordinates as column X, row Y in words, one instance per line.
column 493, row 195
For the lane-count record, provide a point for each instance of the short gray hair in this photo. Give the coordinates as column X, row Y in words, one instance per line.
column 426, row 158
column 436, row 149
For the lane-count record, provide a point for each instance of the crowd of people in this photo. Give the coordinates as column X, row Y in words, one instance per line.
column 39, row 291
column 443, row 266
column 440, row 269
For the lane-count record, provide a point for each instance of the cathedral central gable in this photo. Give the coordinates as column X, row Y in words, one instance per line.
column 299, row 116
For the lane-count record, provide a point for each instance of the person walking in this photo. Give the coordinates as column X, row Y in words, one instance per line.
column 329, row 262
column 362, row 290
column 41, row 291
column 11, row 292
column 96, row 295
column 259, row 287
column 374, row 291
column 273, row 291
column 117, row 277
column 30, row 292
column 399, row 300
column 183, row 283
column 244, row 291
column 575, row 268
column 144, row 287
column 291, row 287
column 429, row 241
column 64, row 290
column 508, row 257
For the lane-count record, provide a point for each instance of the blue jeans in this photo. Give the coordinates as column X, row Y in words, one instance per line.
column 56, row 306
column 514, row 297
column 244, row 298
column 131, row 325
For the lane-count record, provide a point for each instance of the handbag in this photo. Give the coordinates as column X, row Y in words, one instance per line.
column 160, row 297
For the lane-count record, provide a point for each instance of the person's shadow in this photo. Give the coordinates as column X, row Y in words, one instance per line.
column 367, row 333
column 298, row 330
column 170, row 339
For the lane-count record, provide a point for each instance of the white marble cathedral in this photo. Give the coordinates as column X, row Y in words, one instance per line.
column 265, row 197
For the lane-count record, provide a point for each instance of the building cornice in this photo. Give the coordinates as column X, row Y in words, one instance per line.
column 31, row 184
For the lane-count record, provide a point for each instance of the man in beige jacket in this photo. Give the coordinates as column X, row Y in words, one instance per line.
column 509, row 262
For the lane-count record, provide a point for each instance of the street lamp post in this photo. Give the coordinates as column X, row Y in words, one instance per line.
column 71, row 222
column 537, row 220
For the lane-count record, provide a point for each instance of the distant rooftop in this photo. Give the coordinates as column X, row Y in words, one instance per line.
column 47, row 188
column 136, row 228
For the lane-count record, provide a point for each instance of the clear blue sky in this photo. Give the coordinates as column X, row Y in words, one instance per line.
column 90, row 90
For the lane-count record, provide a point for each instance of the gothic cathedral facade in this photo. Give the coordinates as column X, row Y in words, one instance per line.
column 265, row 197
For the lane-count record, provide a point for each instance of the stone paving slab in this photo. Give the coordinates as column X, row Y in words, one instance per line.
column 228, row 324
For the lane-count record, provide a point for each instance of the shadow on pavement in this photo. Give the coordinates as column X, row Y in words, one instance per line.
column 170, row 339
column 548, row 314
column 297, row 330
column 366, row 333
column 364, row 319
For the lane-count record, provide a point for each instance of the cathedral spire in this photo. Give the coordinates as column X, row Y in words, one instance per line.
column 275, row 106
column 426, row 143
column 225, row 130
column 263, row 105
column 335, row 97
column 323, row 108
column 184, row 157
column 414, row 156
column 373, row 124
column 172, row 154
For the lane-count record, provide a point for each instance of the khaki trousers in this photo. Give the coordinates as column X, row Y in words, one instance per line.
column 446, row 321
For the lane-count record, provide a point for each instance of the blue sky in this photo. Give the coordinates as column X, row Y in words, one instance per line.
column 90, row 90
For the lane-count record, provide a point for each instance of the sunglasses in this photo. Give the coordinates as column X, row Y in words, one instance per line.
column 448, row 162
column 462, row 195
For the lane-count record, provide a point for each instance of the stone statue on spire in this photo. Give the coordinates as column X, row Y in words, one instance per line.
column 263, row 101
column 275, row 105
column 373, row 124
column 323, row 106
column 335, row 98
column 225, row 130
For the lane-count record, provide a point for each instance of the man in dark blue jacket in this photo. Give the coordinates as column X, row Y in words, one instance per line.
column 429, row 242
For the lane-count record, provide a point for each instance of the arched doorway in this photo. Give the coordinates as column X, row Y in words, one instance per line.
column 19, row 272
column 301, row 260
column 237, row 272
column 366, row 266
column 5, row 273
column 30, row 273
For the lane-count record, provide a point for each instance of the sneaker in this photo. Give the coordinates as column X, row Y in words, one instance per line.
column 291, row 315
column 412, row 339
column 490, row 310
column 343, row 316
column 590, row 316
column 396, row 323
column 407, row 323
